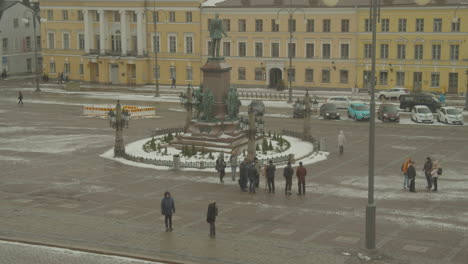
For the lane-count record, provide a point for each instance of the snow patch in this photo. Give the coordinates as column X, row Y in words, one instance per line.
column 212, row 2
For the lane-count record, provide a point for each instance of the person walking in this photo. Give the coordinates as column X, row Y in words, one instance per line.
column 341, row 141
column 234, row 164
column 243, row 175
column 167, row 209
column 411, row 172
column 404, row 169
column 211, row 217
column 435, row 173
column 221, row 168
column 258, row 168
column 20, row 98
column 427, row 169
column 301, row 173
column 287, row 174
column 252, row 175
column 270, row 174
column 173, row 85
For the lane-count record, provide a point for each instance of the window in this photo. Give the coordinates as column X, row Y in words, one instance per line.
column 188, row 18
column 385, row 25
column 275, row 50
column 226, row 49
column 116, row 16
column 132, row 71
column 343, row 76
column 310, row 25
column 188, row 74
column 80, row 15
column 326, row 25
column 155, row 16
column 456, row 25
column 309, row 75
column 291, row 75
column 50, row 15
column 134, row 17
column 258, row 74
column 65, row 14
column 291, row 25
column 15, row 23
column 454, row 52
column 172, row 44
column 242, row 49
column 401, row 51
column 345, row 25
column 367, row 76
column 435, row 79
column 419, row 24
column 97, row 17
column 258, row 25
column 116, row 41
column 384, row 51
column 258, row 49
column 291, row 50
column 81, row 69
column 66, row 68
column 52, row 67
column 418, row 52
column 188, row 44
column 367, row 51
column 326, row 51
column 27, row 24
column 437, row 24
column 227, row 25
column 241, row 74
column 38, row 42
column 402, row 25
column 436, row 51
column 29, row 65
column 66, row 41
column 172, row 18
column 5, row 44
column 81, row 42
column 242, row 25
column 367, row 25
column 156, row 44
column 344, row 49
column 383, row 80
column 51, row 39
column 325, row 75
column 172, row 72
column 28, row 43
column 274, row 26
column 310, row 50
column 400, row 79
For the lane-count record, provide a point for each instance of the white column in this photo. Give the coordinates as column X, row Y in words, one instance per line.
column 102, row 31
column 123, row 30
column 87, row 27
column 141, row 33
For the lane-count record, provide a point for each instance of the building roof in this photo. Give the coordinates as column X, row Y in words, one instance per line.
column 319, row 3
column 4, row 5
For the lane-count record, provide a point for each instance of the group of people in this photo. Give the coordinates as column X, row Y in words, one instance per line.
column 432, row 171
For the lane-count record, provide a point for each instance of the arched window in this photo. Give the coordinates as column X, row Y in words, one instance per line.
column 116, row 41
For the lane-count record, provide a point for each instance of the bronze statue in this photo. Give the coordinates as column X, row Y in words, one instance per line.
column 233, row 104
column 216, row 34
column 207, row 106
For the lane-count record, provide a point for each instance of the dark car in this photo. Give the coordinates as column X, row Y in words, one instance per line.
column 388, row 112
column 329, row 111
column 258, row 107
column 408, row 101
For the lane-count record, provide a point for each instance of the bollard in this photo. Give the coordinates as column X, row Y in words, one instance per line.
column 323, row 144
column 176, row 162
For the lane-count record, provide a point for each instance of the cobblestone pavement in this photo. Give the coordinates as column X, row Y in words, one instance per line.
column 55, row 189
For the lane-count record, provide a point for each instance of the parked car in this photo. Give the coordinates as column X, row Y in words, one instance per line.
column 450, row 115
column 422, row 113
column 388, row 112
column 258, row 107
column 329, row 111
column 339, row 101
column 392, row 93
column 408, row 101
column 358, row 111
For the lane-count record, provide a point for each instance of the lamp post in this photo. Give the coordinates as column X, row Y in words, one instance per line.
column 187, row 101
column 34, row 15
column 118, row 121
column 290, row 11
column 306, row 127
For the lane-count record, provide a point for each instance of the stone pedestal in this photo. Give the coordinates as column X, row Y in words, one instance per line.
column 217, row 78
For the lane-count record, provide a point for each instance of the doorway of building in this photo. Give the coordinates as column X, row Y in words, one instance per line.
column 417, row 81
column 114, row 74
column 94, row 72
column 453, row 83
column 276, row 79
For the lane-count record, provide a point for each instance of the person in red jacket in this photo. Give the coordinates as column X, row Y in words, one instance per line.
column 301, row 172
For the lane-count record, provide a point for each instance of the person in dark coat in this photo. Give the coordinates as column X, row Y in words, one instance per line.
column 287, row 174
column 20, row 98
column 270, row 173
column 211, row 217
column 243, row 172
column 427, row 169
column 252, row 175
column 221, row 168
column 167, row 209
column 301, row 173
column 411, row 171
column 173, row 83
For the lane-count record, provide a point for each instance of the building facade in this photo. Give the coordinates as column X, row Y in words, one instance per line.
column 114, row 42
column 18, row 39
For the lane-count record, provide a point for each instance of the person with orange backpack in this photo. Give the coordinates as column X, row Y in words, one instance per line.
column 404, row 169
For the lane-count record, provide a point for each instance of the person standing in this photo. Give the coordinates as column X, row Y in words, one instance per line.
column 427, row 169
column 341, row 141
column 442, row 99
column 173, row 85
column 243, row 175
column 411, row 176
column 211, row 217
column 301, row 173
column 404, row 169
column 221, row 168
column 252, row 175
column 234, row 164
column 20, row 98
column 435, row 173
column 287, row 174
column 270, row 173
column 167, row 209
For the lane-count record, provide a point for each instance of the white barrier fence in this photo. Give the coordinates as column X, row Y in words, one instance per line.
column 135, row 111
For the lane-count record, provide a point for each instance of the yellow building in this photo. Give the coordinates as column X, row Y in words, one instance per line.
column 114, row 42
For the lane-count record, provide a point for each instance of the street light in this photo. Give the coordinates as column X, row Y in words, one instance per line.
column 118, row 121
column 34, row 12
column 290, row 11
